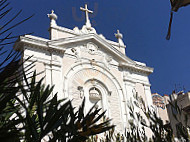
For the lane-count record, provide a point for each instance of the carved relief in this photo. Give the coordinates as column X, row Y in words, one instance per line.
column 92, row 48
column 94, row 94
column 76, row 52
column 108, row 60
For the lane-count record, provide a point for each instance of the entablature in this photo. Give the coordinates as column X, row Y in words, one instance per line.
column 35, row 42
column 136, row 68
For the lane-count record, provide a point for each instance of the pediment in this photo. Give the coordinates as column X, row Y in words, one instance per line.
column 93, row 41
column 61, row 46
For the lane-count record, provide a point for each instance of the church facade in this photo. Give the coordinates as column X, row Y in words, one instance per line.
column 82, row 63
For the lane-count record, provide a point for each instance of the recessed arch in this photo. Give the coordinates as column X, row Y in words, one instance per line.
column 82, row 74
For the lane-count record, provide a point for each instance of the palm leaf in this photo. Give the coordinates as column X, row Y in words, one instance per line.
column 175, row 5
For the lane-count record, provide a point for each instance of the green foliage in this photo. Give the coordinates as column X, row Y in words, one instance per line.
column 144, row 118
column 175, row 5
column 29, row 111
column 182, row 118
column 43, row 115
column 109, row 136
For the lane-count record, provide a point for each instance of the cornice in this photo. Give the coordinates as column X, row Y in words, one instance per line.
column 136, row 67
column 38, row 43
column 115, row 43
column 133, row 81
column 63, row 29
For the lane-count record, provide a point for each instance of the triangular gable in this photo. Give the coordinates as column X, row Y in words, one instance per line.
column 65, row 42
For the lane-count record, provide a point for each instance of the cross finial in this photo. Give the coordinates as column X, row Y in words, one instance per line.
column 119, row 37
column 53, row 18
column 86, row 10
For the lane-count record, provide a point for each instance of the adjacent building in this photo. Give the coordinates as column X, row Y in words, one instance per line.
column 179, row 110
column 174, row 109
column 160, row 103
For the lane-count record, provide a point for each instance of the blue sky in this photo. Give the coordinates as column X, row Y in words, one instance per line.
column 143, row 24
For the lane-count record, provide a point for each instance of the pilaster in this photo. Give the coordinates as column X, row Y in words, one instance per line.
column 148, row 95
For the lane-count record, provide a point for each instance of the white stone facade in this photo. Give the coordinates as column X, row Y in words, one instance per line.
column 82, row 63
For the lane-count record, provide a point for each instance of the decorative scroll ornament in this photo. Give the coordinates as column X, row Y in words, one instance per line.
column 76, row 53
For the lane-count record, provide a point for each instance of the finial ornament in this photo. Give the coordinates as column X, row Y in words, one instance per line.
column 53, row 18
column 119, row 37
column 86, row 10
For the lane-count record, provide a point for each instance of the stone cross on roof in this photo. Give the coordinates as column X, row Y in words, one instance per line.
column 119, row 37
column 53, row 18
column 86, row 10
